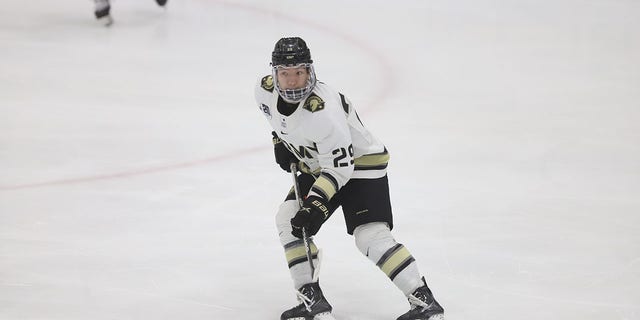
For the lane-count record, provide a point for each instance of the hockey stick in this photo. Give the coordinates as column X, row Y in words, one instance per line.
column 307, row 246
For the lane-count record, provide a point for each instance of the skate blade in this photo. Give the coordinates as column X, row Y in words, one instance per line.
column 319, row 316
column 439, row 316
column 325, row 316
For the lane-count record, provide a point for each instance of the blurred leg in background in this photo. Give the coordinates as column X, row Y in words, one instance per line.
column 103, row 10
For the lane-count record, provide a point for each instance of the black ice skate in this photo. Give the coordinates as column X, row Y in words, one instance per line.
column 423, row 306
column 312, row 304
column 161, row 2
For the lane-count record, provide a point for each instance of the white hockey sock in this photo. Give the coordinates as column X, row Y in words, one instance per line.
column 375, row 241
column 298, row 262
column 294, row 248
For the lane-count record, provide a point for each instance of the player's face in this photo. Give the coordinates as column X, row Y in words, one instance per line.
column 292, row 77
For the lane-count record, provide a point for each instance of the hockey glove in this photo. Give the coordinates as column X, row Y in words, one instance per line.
column 314, row 212
column 284, row 157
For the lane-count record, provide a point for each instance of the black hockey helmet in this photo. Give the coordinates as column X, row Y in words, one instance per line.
column 290, row 51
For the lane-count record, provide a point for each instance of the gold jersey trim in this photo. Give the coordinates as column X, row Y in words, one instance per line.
column 325, row 186
column 373, row 161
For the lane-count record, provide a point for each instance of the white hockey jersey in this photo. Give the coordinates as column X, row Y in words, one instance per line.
column 326, row 134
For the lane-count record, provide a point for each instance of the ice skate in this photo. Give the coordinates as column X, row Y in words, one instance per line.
column 313, row 305
column 423, row 306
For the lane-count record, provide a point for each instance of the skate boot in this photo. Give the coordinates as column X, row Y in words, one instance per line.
column 312, row 304
column 423, row 305
column 102, row 12
column 161, row 2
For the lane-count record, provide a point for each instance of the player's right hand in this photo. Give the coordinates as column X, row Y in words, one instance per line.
column 284, row 157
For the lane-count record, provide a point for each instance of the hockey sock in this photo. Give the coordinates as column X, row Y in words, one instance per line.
column 295, row 251
column 375, row 241
column 298, row 263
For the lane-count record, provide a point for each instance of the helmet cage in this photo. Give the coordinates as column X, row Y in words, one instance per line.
column 298, row 94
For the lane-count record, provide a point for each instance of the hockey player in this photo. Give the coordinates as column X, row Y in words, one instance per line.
column 103, row 10
column 341, row 164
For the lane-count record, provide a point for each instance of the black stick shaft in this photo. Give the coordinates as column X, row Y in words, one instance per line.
column 305, row 238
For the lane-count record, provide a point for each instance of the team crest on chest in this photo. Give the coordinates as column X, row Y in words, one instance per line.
column 314, row 103
column 267, row 83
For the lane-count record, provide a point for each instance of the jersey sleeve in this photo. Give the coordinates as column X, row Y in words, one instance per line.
column 330, row 132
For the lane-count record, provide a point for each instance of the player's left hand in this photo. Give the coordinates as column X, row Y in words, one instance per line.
column 314, row 212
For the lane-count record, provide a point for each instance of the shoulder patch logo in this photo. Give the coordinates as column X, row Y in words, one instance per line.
column 267, row 83
column 314, row 103
column 265, row 110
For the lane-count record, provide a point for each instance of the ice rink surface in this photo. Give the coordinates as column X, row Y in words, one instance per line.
column 137, row 178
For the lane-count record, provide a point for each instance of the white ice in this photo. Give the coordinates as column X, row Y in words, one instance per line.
column 137, row 179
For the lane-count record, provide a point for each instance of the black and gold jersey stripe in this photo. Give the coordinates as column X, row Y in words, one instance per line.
column 325, row 186
column 373, row 161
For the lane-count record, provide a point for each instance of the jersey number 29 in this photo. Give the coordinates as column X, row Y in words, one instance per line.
column 340, row 160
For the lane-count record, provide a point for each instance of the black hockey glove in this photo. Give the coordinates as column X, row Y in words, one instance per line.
column 314, row 212
column 284, row 157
